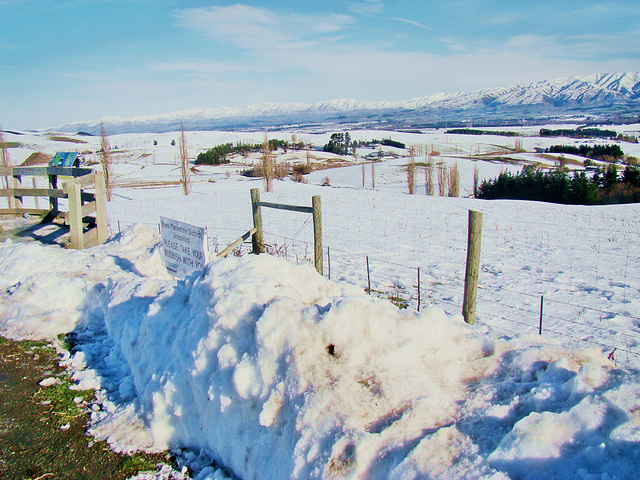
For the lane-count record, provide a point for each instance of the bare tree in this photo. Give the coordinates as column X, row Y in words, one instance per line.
column 429, row 174
column 411, row 171
column 184, row 163
column 442, row 179
column 267, row 165
column 105, row 160
column 518, row 145
column 454, row 181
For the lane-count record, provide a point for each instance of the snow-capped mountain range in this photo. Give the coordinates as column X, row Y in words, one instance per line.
column 604, row 95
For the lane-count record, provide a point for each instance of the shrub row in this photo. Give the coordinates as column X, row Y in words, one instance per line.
column 558, row 186
column 590, row 151
column 579, row 133
column 218, row 154
column 471, row 131
column 341, row 144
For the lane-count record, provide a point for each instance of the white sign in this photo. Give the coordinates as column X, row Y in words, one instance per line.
column 185, row 247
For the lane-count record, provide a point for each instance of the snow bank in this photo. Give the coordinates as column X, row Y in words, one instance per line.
column 276, row 372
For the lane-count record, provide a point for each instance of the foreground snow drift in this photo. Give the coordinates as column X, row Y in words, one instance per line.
column 276, row 372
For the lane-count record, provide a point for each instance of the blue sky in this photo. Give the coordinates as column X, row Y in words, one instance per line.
column 72, row 60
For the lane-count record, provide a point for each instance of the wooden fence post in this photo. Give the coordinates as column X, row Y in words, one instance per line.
column 101, row 206
column 76, row 234
column 473, row 267
column 373, row 175
column 35, row 187
column 257, row 239
column 317, row 233
column 53, row 201
column 17, row 183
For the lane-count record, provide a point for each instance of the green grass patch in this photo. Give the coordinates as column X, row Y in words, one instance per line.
column 396, row 297
column 66, row 341
column 140, row 462
column 10, row 144
column 65, row 403
column 62, row 400
column 65, row 406
column 39, row 346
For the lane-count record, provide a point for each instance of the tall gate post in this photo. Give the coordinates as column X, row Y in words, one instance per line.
column 317, row 233
column 257, row 239
column 473, row 267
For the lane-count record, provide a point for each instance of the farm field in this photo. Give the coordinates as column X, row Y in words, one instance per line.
column 260, row 368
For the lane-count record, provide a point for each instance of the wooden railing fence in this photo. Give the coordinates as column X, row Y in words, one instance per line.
column 81, row 203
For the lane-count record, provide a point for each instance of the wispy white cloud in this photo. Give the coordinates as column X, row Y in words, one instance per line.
column 367, row 7
column 411, row 22
column 531, row 41
column 587, row 46
column 246, row 55
column 598, row 9
column 290, row 53
column 259, row 29
column 454, row 44
column 504, row 19
column 208, row 66
column 354, row 67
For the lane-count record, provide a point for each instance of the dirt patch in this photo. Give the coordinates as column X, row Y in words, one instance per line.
column 36, row 158
column 59, row 138
column 37, row 439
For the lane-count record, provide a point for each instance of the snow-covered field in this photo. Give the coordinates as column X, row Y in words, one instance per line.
column 276, row 372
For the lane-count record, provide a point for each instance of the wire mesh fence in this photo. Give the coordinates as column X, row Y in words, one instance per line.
column 582, row 263
column 568, row 279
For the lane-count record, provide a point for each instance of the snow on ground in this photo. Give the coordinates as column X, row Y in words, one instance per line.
column 276, row 372
column 268, row 370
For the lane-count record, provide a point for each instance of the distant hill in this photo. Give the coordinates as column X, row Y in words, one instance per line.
column 603, row 96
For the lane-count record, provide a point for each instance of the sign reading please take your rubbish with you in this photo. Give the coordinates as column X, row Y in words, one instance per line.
column 185, row 247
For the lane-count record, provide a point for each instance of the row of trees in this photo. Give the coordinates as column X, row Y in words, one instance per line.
column 598, row 152
column 559, row 186
column 392, row 143
column 583, row 132
column 218, row 154
column 341, row 144
column 472, row 131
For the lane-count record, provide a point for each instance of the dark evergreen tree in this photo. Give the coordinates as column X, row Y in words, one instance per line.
column 631, row 176
column 610, row 177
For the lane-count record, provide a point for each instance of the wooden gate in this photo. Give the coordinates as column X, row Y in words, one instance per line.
column 81, row 203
